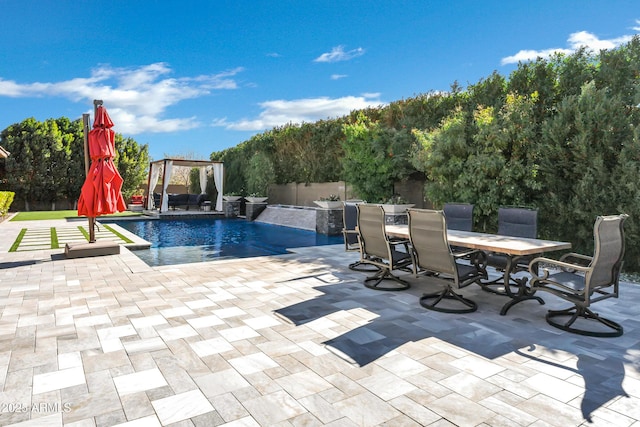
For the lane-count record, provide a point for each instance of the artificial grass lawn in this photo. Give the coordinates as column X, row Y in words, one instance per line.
column 44, row 215
column 121, row 236
column 15, row 245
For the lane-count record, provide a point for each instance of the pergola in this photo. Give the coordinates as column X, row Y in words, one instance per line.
column 167, row 165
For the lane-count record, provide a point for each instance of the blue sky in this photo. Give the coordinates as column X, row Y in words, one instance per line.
column 188, row 78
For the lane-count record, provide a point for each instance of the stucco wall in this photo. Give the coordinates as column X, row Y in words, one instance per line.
column 305, row 194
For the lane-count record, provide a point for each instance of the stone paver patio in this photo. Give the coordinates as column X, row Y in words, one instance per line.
column 290, row 340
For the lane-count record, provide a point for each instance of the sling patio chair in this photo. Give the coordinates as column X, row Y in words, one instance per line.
column 514, row 222
column 459, row 216
column 433, row 256
column 350, row 234
column 583, row 280
column 378, row 250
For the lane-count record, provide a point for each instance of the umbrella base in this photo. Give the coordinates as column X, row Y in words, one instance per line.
column 84, row 250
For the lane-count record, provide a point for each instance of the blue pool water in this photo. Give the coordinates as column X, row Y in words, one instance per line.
column 195, row 240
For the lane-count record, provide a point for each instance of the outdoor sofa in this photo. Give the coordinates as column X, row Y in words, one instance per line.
column 179, row 200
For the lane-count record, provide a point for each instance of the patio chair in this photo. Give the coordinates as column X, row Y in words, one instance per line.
column 377, row 249
column 433, row 256
column 584, row 280
column 514, row 222
column 459, row 217
column 350, row 233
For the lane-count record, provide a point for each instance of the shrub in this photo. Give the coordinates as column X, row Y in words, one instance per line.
column 260, row 174
column 6, row 198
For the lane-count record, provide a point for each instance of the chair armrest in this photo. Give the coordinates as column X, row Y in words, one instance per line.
column 399, row 241
column 561, row 264
column 202, row 197
column 476, row 257
column 577, row 257
column 464, row 254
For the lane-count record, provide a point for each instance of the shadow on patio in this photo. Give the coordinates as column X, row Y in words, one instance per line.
column 377, row 323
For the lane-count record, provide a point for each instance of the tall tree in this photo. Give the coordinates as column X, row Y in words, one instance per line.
column 442, row 154
column 35, row 168
column 132, row 162
column 375, row 157
column 588, row 153
column 73, row 164
column 619, row 71
column 260, row 174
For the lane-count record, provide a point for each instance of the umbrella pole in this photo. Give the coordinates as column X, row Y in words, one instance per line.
column 92, row 220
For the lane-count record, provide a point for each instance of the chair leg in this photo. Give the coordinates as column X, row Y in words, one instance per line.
column 363, row 266
column 448, row 294
column 384, row 274
column 612, row 329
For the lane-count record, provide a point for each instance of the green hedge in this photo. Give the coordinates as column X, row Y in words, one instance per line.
column 6, row 198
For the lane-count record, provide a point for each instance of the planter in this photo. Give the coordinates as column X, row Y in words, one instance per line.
column 256, row 199
column 396, row 209
column 231, row 198
column 329, row 204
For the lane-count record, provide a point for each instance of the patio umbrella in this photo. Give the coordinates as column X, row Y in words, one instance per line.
column 100, row 194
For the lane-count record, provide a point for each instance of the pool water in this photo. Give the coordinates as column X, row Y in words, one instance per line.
column 195, row 240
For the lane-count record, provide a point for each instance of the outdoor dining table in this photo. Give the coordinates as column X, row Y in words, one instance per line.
column 510, row 246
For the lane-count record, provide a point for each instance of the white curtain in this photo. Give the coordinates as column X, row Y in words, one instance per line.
column 155, row 176
column 168, row 164
column 203, row 179
column 218, row 178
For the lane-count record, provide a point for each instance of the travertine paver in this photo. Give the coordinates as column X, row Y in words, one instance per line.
column 290, row 340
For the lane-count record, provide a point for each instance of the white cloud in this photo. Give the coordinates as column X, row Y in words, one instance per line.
column 529, row 55
column 280, row 112
column 338, row 54
column 637, row 27
column 338, row 76
column 584, row 38
column 129, row 123
column 575, row 41
column 136, row 97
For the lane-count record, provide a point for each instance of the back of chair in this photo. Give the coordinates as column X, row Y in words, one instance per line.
column 608, row 234
column 350, row 221
column 428, row 235
column 518, row 222
column 459, row 216
column 371, row 229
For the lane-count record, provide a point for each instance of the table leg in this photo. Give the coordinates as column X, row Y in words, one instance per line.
column 505, row 284
column 524, row 292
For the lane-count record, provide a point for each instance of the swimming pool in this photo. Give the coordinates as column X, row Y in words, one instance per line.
column 184, row 241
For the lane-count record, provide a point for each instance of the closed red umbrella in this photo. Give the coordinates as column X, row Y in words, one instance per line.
column 100, row 194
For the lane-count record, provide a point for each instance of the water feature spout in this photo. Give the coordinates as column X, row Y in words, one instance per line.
column 289, row 216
